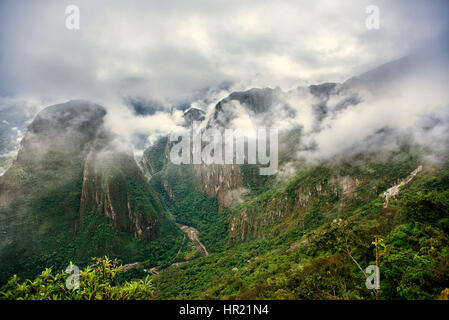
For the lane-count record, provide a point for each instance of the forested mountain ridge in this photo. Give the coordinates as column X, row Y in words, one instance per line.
column 273, row 252
column 307, row 232
column 73, row 193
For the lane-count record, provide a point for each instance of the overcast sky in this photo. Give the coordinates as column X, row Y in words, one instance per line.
column 169, row 50
column 180, row 51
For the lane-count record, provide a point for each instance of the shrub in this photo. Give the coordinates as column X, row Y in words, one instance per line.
column 98, row 281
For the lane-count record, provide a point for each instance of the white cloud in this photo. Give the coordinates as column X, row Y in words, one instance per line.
column 171, row 51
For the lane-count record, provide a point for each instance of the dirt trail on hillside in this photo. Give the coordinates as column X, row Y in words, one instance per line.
column 394, row 191
column 192, row 233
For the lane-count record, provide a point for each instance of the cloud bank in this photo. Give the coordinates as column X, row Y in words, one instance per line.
column 177, row 52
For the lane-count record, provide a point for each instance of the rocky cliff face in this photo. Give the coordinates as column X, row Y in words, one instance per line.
column 291, row 207
column 225, row 182
column 155, row 157
column 221, row 181
column 320, row 192
column 109, row 184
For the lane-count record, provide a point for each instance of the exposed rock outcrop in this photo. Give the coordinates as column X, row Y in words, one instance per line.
column 394, row 191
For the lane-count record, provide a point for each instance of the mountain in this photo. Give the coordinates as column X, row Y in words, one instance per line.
column 296, row 235
column 75, row 192
column 304, row 236
column 225, row 231
column 255, row 206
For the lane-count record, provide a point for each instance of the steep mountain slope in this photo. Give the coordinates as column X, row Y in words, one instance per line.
column 73, row 193
column 300, row 240
column 287, row 111
column 296, row 235
column 211, row 189
column 307, row 232
column 410, row 241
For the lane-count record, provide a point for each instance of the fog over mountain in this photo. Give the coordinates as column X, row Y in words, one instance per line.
column 352, row 202
column 148, row 69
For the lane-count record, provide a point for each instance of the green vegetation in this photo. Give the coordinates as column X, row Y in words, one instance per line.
column 98, row 281
column 71, row 195
column 308, row 237
column 156, row 155
column 317, row 262
column 256, row 182
column 48, row 228
column 190, row 206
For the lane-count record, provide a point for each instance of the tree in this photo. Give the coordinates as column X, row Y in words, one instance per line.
column 426, row 207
